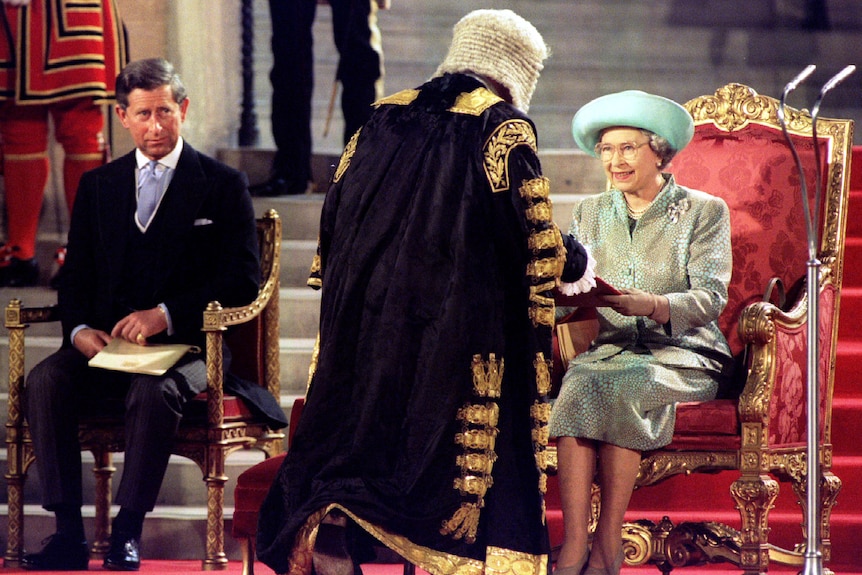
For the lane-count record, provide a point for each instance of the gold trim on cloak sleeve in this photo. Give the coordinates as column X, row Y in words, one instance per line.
column 542, row 272
column 477, row 439
column 346, row 156
column 507, row 136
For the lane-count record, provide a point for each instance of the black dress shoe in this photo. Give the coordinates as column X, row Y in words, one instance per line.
column 59, row 553
column 124, row 553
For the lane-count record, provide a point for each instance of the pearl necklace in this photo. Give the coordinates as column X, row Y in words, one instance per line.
column 636, row 214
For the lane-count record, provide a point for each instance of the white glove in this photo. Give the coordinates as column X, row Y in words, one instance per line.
column 16, row 2
column 587, row 281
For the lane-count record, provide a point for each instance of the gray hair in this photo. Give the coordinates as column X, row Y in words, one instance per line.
column 148, row 74
column 661, row 147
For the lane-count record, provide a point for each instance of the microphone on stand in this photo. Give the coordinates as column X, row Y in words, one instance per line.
column 800, row 77
column 813, row 558
column 815, row 111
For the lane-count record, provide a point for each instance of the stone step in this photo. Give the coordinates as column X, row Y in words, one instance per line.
column 675, row 48
column 570, row 171
column 183, row 484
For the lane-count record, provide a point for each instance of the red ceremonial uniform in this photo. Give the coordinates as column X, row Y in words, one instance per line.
column 58, row 59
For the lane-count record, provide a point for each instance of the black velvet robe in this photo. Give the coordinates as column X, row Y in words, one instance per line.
column 426, row 418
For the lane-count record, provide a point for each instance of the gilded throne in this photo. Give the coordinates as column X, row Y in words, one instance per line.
column 739, row 153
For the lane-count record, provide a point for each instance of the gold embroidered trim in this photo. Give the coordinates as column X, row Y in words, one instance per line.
column 539, row 213
column 541, row 435
column 507, row 136
column 541, row 412
column 543, row 460
column 480, row 414
column 543, row 268
column 346, row 156
column 475, row 103
column 537, row 189
column 498, row 561
column 487, row 375
column 546, row 239
column 299, row 561
column 543, row 375
column 541, row 315
column 464, row 524
column 544, row 234
column 401, row 98
column 477, row 438
column 312, row 365
column 314, row 278
column 476, row 463
column 508, row 562
column 537, row 291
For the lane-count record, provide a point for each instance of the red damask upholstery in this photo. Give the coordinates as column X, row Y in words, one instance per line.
column 757, row 177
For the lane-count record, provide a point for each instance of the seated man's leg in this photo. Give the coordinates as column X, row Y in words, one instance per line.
column 154, row 408
column 51, row 405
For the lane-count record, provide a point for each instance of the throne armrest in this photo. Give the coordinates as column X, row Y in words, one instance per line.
column 18, row 316
column 774, row 395
column 216, row 321
column 17, row 319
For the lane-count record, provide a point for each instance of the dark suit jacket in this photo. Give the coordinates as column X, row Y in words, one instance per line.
column 207, row 250
column 205, row 230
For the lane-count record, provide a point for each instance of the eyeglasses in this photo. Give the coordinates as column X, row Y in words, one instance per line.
column 628, row 151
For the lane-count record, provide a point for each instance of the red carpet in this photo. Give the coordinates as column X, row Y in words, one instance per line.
column 164, row 567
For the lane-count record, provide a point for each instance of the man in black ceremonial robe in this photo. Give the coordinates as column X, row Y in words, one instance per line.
column 425, row 425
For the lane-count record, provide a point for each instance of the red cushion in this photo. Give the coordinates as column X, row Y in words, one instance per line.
column 252, row 485
column 234, row 408
column 717, row 417
column 706, row 426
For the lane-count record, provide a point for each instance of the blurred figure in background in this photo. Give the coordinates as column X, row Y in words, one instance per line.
column 360, row 70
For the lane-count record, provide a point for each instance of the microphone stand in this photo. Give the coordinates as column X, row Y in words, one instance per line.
column 813, row 558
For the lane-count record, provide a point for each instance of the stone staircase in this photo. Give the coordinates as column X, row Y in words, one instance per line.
column 676, row 48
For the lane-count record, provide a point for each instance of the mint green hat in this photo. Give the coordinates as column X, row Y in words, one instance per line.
column 632, row 109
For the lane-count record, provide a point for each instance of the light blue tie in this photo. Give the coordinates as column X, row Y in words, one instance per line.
column 149, row 185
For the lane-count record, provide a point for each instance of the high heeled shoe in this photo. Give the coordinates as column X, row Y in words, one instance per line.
column 577, row 568
column 614, row 570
